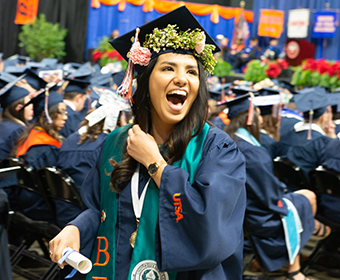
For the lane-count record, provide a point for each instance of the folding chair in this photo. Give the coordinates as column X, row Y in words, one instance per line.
column 290, row 174
column 324, row 181
column 32, row 230
column 58, row 185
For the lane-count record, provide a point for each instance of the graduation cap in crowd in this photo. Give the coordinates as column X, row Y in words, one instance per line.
column 6, row 78
column 45, row 100
column 218, row 91
column 49, row 61
column 269, row 102
column 15, row 70
column 312, row 102
column 288, row 86
column 108, row 79
column 240, row 104
column 79, row 80
column 109, row 105
column 334, row 101
column 35, row 65
column 34, row 80
column 23, row 59
column 11, row 94
column 184, row 21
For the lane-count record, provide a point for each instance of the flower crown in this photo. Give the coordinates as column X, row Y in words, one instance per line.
column 169, row 37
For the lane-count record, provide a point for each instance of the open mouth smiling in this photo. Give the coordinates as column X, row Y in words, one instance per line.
column 176, row 99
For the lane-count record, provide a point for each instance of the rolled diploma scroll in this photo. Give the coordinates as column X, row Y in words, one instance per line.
column 77, row 260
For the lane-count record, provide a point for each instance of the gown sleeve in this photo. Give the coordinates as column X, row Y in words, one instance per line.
column 212, row 209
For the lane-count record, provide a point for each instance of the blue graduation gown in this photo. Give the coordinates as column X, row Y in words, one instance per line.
column 330, row 158
column 288, row 119
column 9, row 132
column 76, row 160
column 32, row 204
column 296, row 136
column 209, row 242
column 268, row 142
column 218, row 122
column 265, row 205
column 72, row 123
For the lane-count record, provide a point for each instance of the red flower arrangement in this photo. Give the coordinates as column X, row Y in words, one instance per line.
column 317, row 72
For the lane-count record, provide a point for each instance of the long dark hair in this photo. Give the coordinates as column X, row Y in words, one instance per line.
column 178, row 140
column 41, row 121
column 10, row 113
column 240, row 120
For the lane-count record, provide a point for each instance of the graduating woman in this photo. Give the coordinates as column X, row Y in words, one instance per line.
column 269, row 208
column 39, row 145
column 190, row 176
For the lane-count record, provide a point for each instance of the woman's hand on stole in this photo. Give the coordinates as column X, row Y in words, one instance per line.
column 69, row 236
column 142, row 147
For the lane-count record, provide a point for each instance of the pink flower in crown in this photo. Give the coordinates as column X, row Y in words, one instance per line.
column 139, row 55
column 200, row 42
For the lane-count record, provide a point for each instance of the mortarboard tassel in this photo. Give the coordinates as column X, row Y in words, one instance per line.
column 47, row 94
column 309, row 135
column 124, row 89
column 251, row 110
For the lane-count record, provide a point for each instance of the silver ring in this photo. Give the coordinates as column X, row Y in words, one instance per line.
column 51, row 253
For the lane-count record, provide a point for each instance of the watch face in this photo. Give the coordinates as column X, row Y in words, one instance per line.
column 152, row 168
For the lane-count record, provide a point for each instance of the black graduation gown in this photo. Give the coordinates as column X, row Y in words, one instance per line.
column 72, row 123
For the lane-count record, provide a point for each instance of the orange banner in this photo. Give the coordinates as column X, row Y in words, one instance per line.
column 26, row 11
column 271, row 23
column 160, row 6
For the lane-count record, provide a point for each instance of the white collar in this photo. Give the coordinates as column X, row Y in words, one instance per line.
column 338, row 135
column 337, row 122
column 70, row 104
column 301, row 126
column 263, row 131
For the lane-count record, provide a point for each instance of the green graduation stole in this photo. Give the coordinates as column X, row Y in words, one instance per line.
column 143, row 257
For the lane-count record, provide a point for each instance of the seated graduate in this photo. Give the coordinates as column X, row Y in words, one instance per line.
column 13, row 120
column 330, row 158
column 335, row 102
column 267, row 202
column 313, row 103
column 80, row 151
column 190, row 225
column 269, row 104
column 39, row 145
column 75, row 95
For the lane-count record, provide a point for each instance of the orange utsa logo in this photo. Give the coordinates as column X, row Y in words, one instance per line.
column 178, row 206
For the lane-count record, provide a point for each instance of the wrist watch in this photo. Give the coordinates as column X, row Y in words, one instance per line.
column 153, row 167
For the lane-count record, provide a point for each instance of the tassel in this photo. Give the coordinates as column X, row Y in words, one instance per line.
column 251, row 110
column 222, row 91
column 48, row 118
column 124, row 89
column 309, row 135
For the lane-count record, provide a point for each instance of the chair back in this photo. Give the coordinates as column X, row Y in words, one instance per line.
column 59, row 185
column 26, row 174
column 325, row 180
column 289, row 173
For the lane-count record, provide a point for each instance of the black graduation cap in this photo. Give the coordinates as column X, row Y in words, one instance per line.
column 6, row 78
column 108, row 79
column 241, row 90
column 312, row 99
column 216, row 92
column 181, row 16
column 35, row 65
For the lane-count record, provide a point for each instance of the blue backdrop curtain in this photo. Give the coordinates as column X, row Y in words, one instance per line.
column 332, row 51
column 102, row 21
